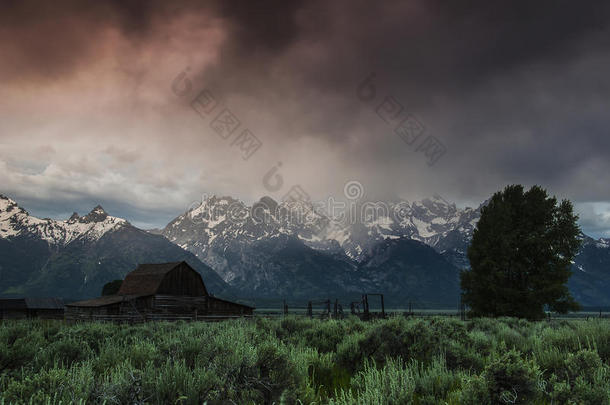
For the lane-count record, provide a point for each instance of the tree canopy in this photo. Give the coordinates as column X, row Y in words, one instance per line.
column 521, row 254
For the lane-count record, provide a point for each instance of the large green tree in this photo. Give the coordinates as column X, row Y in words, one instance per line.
column 521, row 254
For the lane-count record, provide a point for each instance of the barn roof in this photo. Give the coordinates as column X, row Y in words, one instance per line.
column 231, row 302
column 101, row 301
column 12, row 303
column 147, row 278
column 31, row 303
column 44, row 303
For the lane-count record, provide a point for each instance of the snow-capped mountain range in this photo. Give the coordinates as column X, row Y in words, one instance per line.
column 218, row 222
column 15, row 221
column 270, row 250
column 254, row 247
column 76, row 257
column 226, row 234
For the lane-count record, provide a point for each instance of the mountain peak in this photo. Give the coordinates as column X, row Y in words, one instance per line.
column 98, row 208
column 439, row 198
column 97, row 214
column 6, row 200
column 8, row 205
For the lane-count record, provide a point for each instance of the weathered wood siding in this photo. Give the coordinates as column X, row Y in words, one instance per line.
column 222, row 307
column 47, row 313
column 206, row 305
column 13, row 314
column 182, row 281
column 161, row 307
column 32, row 313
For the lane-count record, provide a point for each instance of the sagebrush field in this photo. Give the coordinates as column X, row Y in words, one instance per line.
column 298, row 360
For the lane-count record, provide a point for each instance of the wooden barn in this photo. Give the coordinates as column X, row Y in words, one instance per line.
column 168, row 291
column 24, row 308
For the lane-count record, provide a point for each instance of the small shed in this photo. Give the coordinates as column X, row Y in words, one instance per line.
column 24, row 308
column 166, row 291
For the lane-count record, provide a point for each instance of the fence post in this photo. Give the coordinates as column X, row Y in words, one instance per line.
column 365, row 303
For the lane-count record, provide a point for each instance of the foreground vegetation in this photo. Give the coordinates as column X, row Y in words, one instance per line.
column 298, row 360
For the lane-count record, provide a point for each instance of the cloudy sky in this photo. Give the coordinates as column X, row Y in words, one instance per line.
column 97, row 102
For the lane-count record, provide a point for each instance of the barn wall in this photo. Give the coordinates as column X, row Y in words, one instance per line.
column 138, row 305
column 201, row 305
column 172, row 304
column 48, row 313
column 13, row 314
column 182, row 281
column 88, row 313
column 32, row 313
column 221, row 307
column 160, row 307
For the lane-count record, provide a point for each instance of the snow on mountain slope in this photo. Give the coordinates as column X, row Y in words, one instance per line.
column 15, row 221
column 234, row 239
column 427, row 221
column 221, row 222
column 218, row 224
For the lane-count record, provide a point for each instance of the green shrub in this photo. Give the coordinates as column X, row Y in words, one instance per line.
column 66, row 352
column 275, row 372
column 56, row 384
column 400, row 383
column 324, row 336
column 481, row 342
column 143, row 352
column 583, row 363
column 284, row 361
column 397, row 337
column 463, row 357
column 474, row 391
column 394, row 384
column 327, row 376
column 512, row 379
column 17, row 355
column 174, row 383
column 349, row 353
column 121, row 384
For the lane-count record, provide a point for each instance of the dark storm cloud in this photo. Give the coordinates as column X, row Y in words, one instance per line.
column 265, row 25
column 517, row 87
column 421, row 50
column 50, row 39
column 517, row 90
column 44, row 40
column 444, row 44
column 499, row 35
column 439, row 42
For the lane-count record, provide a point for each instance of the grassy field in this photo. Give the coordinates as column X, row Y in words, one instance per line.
column 295, row 360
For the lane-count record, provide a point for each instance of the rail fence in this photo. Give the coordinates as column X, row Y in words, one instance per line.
column 133, row 318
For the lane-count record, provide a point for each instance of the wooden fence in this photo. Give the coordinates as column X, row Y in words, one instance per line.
column 133, row 318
